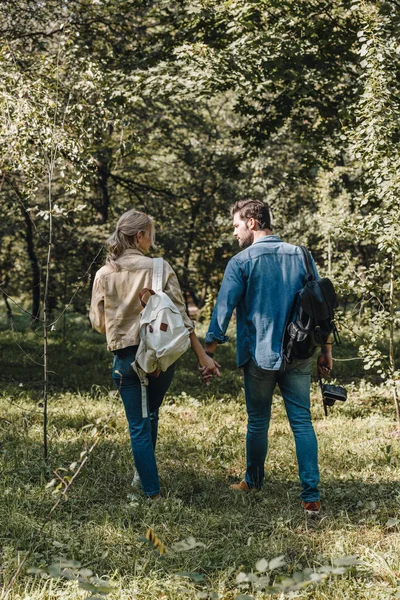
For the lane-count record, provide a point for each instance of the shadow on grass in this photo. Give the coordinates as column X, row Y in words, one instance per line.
column 101, row 514
column 106, row 482
column 82, row 361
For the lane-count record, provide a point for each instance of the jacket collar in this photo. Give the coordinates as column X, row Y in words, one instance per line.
column 132, row 251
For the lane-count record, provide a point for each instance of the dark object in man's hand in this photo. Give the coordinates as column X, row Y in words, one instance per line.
column 331, row 393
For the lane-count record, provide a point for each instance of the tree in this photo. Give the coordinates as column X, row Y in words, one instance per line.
column 375, row 220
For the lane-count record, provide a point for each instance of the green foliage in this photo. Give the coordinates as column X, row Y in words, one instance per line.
column 300, row 579
column 179, row 109
column 374, row 221
column 72, row 571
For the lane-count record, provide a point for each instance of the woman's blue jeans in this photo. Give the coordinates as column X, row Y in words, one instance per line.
column 143, row 430
column 294, row 383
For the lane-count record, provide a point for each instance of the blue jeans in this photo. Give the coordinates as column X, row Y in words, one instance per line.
column 294, row 383
column 143, row 431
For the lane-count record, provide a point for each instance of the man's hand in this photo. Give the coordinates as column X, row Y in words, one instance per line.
column 325, row 362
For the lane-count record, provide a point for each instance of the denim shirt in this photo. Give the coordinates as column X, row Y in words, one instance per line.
column 260, row 282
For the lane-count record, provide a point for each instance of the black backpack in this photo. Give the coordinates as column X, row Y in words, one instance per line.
column 311, row 317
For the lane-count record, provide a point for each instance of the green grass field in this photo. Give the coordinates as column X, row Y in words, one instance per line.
column 101, row 524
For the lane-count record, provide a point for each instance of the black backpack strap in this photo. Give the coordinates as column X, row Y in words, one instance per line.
column 310, row 274
column 287, row 351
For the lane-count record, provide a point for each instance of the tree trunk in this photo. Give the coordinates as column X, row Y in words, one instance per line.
column 104, row 204
column 34, row 267
column 391, row 339
column 103, row 161
column 194, row 213
column 10, row 315
column 45, row 317
column 6, row 267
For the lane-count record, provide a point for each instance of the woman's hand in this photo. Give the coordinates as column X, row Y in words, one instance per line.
column 208, row 367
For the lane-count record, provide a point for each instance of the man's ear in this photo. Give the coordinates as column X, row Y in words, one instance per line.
column 252, row 224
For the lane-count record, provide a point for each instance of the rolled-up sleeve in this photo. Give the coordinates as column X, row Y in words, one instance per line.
column 230, row 293
column 174, row 292
column 96, row 312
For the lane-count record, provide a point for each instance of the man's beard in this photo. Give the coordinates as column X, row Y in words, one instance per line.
column 246, row 241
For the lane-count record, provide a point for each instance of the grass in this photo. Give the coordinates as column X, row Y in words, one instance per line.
column 102, row 522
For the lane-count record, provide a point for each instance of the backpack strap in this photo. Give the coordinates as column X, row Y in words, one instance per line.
column 157, row 274
column 144, row 382
column 156, row 286
column 288, row 351
column 310, row 275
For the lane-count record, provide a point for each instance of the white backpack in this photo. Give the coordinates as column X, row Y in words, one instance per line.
column 163, row 334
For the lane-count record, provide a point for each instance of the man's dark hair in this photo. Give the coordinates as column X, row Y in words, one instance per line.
column 253, row 209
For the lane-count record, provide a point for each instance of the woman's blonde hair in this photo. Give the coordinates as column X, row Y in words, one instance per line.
column 128, row 226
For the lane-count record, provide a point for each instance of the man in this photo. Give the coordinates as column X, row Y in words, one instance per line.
column 260, row 283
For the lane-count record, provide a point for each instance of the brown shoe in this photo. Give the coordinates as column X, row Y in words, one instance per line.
column 154, row 498
column 312, row 508
column 240, row 487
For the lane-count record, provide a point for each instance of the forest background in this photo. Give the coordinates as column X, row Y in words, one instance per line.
column 179, row 109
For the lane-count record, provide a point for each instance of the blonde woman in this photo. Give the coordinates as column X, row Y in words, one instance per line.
column 115, row 311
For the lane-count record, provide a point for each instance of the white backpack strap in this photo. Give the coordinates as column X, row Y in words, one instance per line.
column 144, row 382
column 157, row 275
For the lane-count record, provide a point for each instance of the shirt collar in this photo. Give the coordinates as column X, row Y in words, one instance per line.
column 268, row 238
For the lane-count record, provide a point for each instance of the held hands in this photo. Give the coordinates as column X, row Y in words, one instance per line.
column 325, row 363
column 208, row 367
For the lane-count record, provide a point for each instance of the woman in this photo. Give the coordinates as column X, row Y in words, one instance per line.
column 115, row 310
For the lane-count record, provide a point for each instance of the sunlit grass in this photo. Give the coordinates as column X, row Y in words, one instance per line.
column 102, row 522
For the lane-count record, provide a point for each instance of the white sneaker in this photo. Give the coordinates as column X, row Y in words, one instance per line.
column 136, row 483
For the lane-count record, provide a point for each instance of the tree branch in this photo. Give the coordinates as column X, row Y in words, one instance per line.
column 130, row 184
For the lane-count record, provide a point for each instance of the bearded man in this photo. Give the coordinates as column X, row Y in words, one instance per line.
column 260, row 282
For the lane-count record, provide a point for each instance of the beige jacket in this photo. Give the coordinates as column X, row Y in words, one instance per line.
column 115, row 307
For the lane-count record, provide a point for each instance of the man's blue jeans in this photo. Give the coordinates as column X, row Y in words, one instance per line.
column 143, row 431
column 294, row 383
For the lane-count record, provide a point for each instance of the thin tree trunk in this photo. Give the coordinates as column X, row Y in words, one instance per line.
column 45, row 321
column 195, row 209
column 35, row 290
column 34, row 266
column 329, row 256
column 7, row 265
column 391, row 339
column 65, row 304
column 103, row 175
column 10, row 315
column 103, row 160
